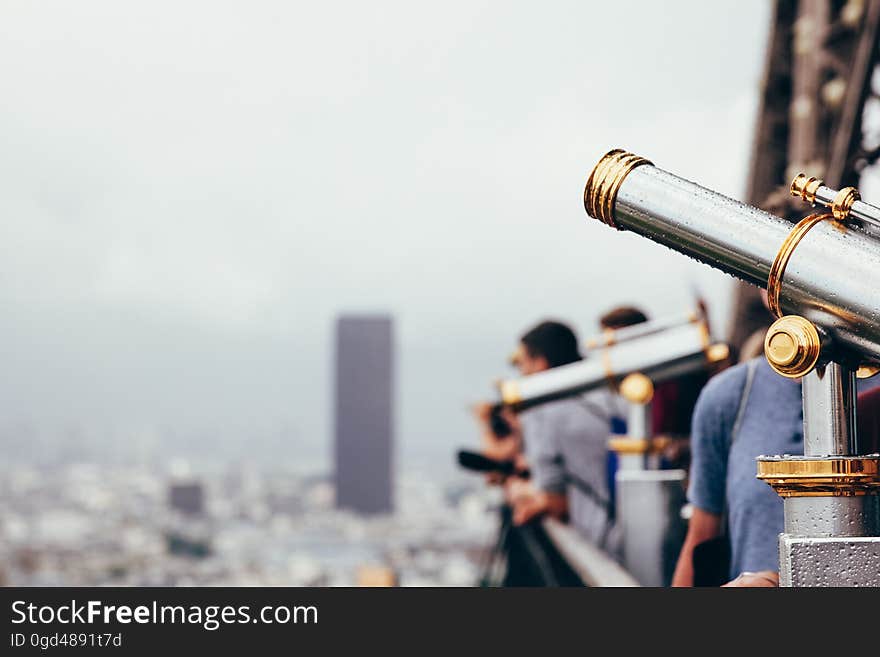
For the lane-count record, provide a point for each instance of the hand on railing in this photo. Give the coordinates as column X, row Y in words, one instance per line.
column 529, row 502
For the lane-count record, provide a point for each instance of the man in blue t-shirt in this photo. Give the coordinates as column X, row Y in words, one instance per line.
column 742, row 413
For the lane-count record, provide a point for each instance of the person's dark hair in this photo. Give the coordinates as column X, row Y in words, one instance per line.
column 554, row 341
column 621, row 317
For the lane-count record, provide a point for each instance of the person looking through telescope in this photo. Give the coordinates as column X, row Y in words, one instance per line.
column 565, row 443
column 547, row 345
column 565, row 440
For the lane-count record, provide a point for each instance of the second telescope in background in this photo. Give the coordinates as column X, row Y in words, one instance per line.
column 660, row 356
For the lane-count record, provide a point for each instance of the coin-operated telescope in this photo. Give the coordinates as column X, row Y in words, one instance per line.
column 661, row 351
column 822, row 277
column 630, row 361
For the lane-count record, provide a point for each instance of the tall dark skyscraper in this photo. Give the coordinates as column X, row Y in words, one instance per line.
column 364, row 411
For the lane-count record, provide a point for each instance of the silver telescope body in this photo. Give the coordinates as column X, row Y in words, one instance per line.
column 658, row 355
column 831, row 279
column 611, row 337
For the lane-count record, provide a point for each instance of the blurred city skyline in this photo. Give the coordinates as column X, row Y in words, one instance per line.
column 193, row 191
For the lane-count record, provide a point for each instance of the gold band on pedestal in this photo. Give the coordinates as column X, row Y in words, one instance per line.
column 605, row 179
column 777, row 269
column 627, row 445
column 834, row 476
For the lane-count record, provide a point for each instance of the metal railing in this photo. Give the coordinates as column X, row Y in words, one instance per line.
column 593, row 566
column 548, row 553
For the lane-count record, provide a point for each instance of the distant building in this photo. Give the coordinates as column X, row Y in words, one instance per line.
column 364, row 409
column 187, row 497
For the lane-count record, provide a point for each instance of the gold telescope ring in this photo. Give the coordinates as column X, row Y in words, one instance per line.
column 843, row 202
column 604, row 182
column 777, row 269
column 806, row 187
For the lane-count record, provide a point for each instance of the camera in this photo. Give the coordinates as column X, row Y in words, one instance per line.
column 497, row 424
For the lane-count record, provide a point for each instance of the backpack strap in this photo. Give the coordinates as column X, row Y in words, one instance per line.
column 751, row 368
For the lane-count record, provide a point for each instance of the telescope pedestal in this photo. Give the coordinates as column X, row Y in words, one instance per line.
column 649, row 500
column 832, row 508
column 649, row 504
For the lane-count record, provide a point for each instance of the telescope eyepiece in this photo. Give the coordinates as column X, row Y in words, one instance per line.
column 604, row 181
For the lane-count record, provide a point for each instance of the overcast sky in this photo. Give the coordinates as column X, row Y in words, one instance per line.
column 190, row 192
